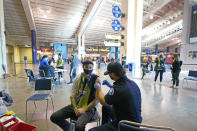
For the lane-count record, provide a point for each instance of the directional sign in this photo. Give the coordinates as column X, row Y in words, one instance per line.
column 116, row 25
column 112, row 43
column 116, row 11
column 113, row 36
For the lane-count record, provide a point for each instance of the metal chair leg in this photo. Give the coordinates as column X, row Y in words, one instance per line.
column 183, row 83
column 47, row 108
column 187, row 83
column 34, row 110
column 35, row 105
column 52, row 103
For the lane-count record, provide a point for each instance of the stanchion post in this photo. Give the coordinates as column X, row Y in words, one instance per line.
column 14, row 69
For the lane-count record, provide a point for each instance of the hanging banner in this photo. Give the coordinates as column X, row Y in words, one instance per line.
column 193, row 29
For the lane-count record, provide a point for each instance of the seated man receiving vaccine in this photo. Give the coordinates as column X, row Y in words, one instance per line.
column 83, row 101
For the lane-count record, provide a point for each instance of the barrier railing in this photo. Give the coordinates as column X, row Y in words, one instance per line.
column 19, row 68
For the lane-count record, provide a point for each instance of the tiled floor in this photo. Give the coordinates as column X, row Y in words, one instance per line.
column 161, row 105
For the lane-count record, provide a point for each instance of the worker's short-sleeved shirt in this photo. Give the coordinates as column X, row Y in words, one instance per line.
column 43, row 63
column 125, row 97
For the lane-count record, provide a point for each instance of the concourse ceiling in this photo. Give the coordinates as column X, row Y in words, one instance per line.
column 60, row 21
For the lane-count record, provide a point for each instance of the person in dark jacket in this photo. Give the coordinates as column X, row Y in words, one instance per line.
column 124, row 98
column 176, row 69
column 50, row 69
column 159, row 68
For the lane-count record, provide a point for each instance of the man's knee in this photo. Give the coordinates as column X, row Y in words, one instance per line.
column 53, row 118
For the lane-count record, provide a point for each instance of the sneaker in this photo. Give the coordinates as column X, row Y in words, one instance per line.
column 172, row 86
column 70, row 82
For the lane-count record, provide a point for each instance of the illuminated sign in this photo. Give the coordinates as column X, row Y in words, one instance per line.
column 113, row 37
column 45, row 49
column 96, row 50
column 112, row 43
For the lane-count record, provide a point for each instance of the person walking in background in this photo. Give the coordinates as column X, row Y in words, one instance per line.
column 176, row 69
column 159, row 68
column 99, row 62
column 148, row 67
column 60, row 65
column 105, row 60
column 73, row 68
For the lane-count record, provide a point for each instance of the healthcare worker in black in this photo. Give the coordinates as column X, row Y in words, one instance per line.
column 124, row 96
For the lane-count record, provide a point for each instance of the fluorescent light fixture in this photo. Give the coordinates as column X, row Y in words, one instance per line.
column 168, row 22
column 27, row 46
column 151, row 17
column 41, row 10
column 48, row 11
column 88, row 1
column 45, row 16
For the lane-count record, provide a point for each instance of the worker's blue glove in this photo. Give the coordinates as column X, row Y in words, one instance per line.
column 97, row 85
column 107, row 83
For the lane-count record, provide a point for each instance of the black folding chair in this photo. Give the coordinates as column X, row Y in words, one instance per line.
column 41, row 85
column 31, row 76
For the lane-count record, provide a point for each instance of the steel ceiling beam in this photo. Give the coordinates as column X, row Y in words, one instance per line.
column 90, row 13
column 159, row 4
column 29, row 14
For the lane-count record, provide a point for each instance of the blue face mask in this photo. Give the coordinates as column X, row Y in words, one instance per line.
column 88, row 72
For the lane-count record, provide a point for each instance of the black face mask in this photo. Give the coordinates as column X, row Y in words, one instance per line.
column 88, row 72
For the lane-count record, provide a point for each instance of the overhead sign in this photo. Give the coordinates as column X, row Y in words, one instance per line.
column 45, row 49
column 95, row 50
column 116, row 25
column 111, row 43
column 116, row 11
column 113, row 37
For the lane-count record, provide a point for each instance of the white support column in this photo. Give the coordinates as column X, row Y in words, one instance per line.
column 2, row 40
column 134, row 29
column 79, row 47
column 83, row 46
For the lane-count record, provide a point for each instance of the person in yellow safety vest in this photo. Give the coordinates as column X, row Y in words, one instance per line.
column 83, row 101
column 60, row 65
